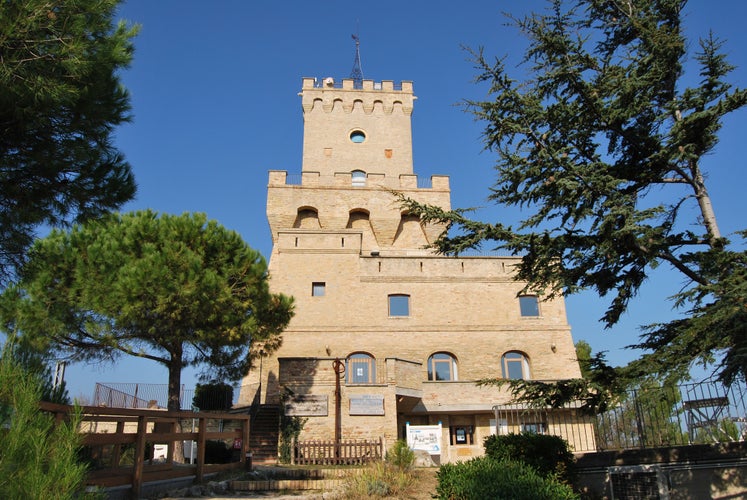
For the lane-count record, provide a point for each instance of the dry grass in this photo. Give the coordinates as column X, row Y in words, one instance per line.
column 382, row 481
column 424, row 484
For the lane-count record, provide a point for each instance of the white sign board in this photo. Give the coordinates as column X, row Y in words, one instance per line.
column 424, row 437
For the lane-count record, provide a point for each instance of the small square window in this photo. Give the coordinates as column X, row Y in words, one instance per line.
column 318, row 288
column 399, row 305
column 529, row 305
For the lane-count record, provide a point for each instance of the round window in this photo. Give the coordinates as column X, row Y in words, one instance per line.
column 357, row 136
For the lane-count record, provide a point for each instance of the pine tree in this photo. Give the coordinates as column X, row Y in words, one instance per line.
column 601, row 144
column 178, row 290
column 60, row 100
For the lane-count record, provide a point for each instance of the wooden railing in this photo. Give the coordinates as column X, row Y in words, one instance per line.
column 120, row 443
column 346, row 452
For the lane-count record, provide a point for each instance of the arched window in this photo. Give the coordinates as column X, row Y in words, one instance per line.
column 442, row 366
column 359, row 178
column 360, row 368
column 515, row 366
column 307, row 218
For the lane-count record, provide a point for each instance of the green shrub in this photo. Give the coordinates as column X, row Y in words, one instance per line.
column 217, row 452
column 215, row 396
column 485, row 477
column 400, row 455
column 548, row 455
column 38, row 456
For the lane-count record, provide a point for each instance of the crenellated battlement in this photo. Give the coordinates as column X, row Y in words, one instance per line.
column 349, row 84
column 369, row 96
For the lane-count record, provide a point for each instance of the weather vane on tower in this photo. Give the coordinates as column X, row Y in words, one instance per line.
column 357, row 73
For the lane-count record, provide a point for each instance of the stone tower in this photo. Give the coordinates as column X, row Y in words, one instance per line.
column 413, row 330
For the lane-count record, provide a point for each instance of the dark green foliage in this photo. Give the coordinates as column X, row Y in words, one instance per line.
column 215, row 396
column 178, row 290
column 716, row 322
column 217, row 452
column 601, row 145
column 38, row 456
column 38, row 364
column 548, row 455
column 290, row 429
column 600, row 389
column 484, row 477
column 60, row 100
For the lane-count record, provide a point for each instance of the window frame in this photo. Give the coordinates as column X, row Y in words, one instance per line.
column 358, row 178
column 448, row 359
column 396, row 309
column 534, row 427
column 366, row 361
column 522, row 360
column 357, row 136
column 318, row 286
column 529, row 309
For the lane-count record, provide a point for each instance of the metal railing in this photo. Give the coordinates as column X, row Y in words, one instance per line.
column 646, row 417
column 569, row 423
column 694, row 413
column 144, row 396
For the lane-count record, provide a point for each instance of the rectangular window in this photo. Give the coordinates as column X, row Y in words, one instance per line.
column 529, row 305
column 533, row 427
column 318, row 288
column 399, row 305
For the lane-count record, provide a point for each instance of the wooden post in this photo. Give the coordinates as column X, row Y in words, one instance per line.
column 339, row 368
column 117, row 451
column 245, row 441
column 137, row 473
column 201, row 431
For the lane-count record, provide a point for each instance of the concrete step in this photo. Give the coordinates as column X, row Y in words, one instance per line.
column 286, row 484
column 274, row 478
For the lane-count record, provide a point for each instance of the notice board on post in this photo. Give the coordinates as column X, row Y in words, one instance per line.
column 424, row 437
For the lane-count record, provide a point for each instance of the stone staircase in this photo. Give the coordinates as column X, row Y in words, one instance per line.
column 264, row 434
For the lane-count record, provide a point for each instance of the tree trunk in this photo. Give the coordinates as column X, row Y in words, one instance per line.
column 175, row 382
column 174, row 401
column 706, row 210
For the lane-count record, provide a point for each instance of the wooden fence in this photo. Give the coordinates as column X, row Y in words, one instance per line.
column 329, row 452
column 120, row 444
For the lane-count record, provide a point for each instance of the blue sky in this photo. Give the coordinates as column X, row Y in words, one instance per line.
column 214, row 94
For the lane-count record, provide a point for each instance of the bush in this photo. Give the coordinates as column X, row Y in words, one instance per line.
column 215, row 396
column 38, row 456
column 217, row 452
column 379, row 479
column 400, row 455
column 485, row 477
column 548, row 455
